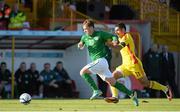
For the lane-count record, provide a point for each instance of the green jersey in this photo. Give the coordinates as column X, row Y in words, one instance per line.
column 96, row 44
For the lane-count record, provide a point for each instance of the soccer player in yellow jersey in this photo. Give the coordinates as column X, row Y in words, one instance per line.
column 131, row 65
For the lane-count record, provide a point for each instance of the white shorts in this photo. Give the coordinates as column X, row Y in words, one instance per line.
column 100, row 67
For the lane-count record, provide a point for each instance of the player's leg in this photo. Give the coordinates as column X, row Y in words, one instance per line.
column 85, row 74
column 113, row 82
column 114, row 91
column 118, row 73
column 115, row 94
column 156, row 86
column 141, row 76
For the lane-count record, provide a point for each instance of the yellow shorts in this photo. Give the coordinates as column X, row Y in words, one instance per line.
column 136, row 70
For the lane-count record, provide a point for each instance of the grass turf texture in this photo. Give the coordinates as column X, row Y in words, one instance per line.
column 86, row 105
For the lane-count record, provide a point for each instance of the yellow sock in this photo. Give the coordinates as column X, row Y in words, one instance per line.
column 114, row 91
column 157, row 86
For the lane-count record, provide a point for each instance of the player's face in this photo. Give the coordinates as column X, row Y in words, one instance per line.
column 119, row 31
column 88, row 30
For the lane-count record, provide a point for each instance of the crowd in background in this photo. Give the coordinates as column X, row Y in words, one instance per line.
column 159, row 65
column 48, row 83
column 11, row 17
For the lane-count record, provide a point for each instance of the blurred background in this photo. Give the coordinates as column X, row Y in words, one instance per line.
column 38, row 45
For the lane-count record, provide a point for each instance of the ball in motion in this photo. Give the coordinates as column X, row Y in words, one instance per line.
column 25, row 98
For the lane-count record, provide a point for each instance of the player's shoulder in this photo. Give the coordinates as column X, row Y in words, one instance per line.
column 101, row 32
column 128, row 34
column 84, row 36
column 98, row 32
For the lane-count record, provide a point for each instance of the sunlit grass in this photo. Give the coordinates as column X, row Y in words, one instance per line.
column 77, row 105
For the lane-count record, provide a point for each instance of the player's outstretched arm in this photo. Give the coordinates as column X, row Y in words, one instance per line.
column 119, row 45
column 111, row 43
column 116, row 44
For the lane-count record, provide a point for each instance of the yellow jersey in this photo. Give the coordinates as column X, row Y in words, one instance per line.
column 128, row 52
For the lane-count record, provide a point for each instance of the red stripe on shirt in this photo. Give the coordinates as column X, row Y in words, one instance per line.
column 133, row 58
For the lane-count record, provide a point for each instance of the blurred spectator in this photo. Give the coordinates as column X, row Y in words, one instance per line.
column 4, row 15
column 17, row 18
column 107, row 10
column 63, row 80
column 72, row 6
column 34, row 73
column 152, row 64
column 27, row 3
column 168, row 70
column 5, row 81
column 48, row 87
column 167, row 2
column 175, row 4
column 23, row 80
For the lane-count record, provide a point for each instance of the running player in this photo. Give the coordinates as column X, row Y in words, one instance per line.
column 131, row 65
column 96, row 41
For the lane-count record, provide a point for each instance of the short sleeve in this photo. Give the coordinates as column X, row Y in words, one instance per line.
column 82, row 39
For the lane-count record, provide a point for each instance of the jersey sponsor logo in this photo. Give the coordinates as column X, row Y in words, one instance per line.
column 96, row 38
column 91, row 42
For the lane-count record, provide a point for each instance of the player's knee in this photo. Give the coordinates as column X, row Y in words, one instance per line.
column 84, row 70
column 111, row 81
column 81, row 72
column 145, row 83
column 116, row 75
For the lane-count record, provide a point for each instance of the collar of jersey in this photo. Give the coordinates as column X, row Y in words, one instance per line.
column 91, row 36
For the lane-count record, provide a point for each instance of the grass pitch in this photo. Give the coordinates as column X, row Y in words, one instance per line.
column 86, row 105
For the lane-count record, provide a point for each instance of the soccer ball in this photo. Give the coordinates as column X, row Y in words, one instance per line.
column 25, row 98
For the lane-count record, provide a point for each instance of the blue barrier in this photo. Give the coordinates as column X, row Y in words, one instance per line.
column 41, row 33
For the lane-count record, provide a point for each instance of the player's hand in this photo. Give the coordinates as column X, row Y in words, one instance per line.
column 115, row 43
column 80, row 45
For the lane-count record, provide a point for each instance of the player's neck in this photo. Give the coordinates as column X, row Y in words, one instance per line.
column 124, row 33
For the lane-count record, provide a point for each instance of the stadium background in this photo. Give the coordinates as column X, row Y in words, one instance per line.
column 152, row 22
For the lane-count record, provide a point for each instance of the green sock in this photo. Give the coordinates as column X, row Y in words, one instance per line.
column 122, row 88
column 90, row 81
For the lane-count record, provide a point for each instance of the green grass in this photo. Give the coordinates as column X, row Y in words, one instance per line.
column 85, row 105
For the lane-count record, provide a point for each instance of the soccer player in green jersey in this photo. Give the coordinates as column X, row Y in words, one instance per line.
column 96, row 42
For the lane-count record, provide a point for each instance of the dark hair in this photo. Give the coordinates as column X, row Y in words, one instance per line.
column 89, row 23
column 47, row 63
column 59, row 62
column 3, row 63
column 121, row 26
